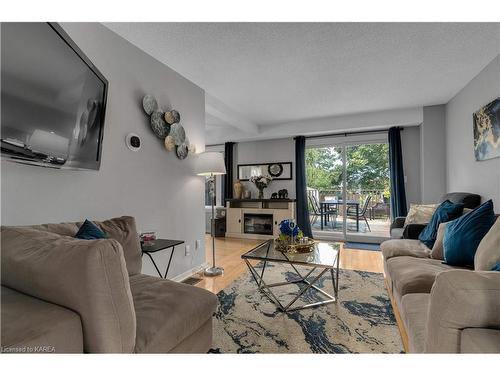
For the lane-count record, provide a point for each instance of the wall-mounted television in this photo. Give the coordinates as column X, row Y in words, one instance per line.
column 53, row 99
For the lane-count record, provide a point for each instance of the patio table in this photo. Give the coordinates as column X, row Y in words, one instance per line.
column 325, row 205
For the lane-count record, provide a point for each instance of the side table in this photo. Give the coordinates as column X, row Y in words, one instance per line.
column 159, row 245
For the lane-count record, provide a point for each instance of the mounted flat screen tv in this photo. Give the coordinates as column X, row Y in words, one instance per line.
column 53, row 99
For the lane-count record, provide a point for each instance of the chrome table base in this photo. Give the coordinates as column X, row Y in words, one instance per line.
column 266, row 288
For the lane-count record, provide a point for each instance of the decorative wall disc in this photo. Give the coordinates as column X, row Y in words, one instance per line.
column 149, row 104
column 182, row 151
column 159, row 126
column 172, row 117
column 169, row 143
column 178, row 133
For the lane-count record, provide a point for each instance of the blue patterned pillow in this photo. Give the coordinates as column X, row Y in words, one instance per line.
column 496, row 268
column 463, row 235
column 89, row 231
column 445, row 212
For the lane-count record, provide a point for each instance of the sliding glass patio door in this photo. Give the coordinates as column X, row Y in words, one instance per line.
column 348, row 189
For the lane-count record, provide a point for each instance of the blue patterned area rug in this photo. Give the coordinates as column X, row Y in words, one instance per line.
column 362, row 321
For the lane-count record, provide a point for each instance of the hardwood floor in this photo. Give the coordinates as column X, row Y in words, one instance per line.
column 228, row 256
column 229, row 251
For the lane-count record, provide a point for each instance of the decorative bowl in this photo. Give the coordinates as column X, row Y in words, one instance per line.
column 296, row 247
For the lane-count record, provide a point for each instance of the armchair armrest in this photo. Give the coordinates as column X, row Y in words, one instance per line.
column 461, row 299
column 412, row 231
column 398, row 222
column 87, row 276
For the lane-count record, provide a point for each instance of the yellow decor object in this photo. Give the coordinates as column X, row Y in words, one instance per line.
column 169, row 143
column 304, row 245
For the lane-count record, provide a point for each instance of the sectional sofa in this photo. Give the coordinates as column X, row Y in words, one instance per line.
column 444, row 309
column 65, row 295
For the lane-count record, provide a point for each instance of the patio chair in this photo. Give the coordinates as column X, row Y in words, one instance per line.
column 362, row 213
column 314, row 210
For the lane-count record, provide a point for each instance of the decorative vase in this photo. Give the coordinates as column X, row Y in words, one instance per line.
column 261, row 193
column 238, row 189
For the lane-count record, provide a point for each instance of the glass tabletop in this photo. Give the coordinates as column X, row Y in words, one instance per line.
column 323, row 255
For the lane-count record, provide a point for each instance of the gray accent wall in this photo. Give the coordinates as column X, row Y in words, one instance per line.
column 155, row 187
column 433, row 154
column 464, row 173
column 266, row 152
column 410, row 144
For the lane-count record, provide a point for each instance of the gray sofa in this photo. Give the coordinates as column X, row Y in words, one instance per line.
column 444, row 309
column 65, row 295
column 412, row 231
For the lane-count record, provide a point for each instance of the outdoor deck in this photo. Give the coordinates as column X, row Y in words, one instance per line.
column 379, row 226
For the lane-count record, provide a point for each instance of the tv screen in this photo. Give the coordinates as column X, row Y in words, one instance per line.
column 53, row 99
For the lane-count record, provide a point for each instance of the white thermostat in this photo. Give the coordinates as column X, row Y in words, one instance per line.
column 133, row 142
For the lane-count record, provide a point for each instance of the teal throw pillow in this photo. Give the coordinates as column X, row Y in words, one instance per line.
column 89, row 231
column 445, row 212
column 463, row 235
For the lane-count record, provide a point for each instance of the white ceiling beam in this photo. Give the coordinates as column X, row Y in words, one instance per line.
column 218, row 109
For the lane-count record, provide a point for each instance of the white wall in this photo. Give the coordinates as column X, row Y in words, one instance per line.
column 266, row 152
column 433, row 154
column 464, row 173
column 160, row 190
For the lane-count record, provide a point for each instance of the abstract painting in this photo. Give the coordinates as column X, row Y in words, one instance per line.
column 487, row 131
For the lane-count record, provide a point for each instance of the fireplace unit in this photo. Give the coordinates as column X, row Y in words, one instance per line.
column 258, row 224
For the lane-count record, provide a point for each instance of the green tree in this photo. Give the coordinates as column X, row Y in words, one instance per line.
column 367, row 167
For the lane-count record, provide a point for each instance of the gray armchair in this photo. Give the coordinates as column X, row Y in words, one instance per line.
column 412, row 231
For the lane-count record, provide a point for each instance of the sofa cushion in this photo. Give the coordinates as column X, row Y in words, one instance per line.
column 420, row 213
column 30, row 325
column 463, row 235
column 414, row 311
column 400, row 247
column 123, row 229
column 437, row 249
column 168, row 312
column 446, row 211
column 414, row 275
column 86, row 276
column 488, row 252
column 480, row 340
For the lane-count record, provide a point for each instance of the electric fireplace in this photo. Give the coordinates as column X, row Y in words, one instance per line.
column 258, row 224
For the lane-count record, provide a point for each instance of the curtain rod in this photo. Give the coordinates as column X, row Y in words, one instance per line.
column 345, row 134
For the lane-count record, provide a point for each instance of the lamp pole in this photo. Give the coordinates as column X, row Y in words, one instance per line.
column 214, row 270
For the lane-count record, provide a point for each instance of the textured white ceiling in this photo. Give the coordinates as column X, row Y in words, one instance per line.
column 277, row 72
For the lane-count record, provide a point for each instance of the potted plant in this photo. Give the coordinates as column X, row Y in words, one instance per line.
column 261, row 182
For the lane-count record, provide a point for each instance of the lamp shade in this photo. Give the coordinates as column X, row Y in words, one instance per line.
column 210, row 163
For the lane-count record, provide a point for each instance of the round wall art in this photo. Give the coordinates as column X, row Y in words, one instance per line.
column 159, row 126
column 178, row 134
column 275, row 170
column 149, row 104
column 172, row 117
column 182, row 151
column 169, row 143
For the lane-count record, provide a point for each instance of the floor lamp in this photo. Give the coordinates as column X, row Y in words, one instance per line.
column 211, row 164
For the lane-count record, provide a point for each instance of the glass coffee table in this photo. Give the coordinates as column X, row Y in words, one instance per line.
column 324, row 257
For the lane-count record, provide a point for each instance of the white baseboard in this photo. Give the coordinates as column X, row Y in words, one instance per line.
column 190, row 272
